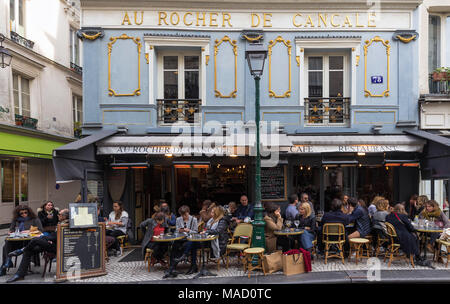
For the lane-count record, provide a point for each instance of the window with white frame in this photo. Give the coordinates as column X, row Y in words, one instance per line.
column 21, row 92
column 434, row 42
column 16, row 16
column 74, row 47
column 327, row 79
column 179, row 86
column 77, row 109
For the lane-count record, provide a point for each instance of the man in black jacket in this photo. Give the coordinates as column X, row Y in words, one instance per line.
column 40, row 244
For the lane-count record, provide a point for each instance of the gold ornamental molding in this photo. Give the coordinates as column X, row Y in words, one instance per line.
column 216, row 51
column 287, row 44
column 139, row 46
column 297, row 58
column 147, row 58
column 357, row 60
column 207, row 59
column 406, row 40
column 368, row 93
column 91, row 37
column 252, row 39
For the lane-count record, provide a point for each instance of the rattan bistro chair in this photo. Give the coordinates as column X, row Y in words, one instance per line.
column 393, row 249
column 439, row 253
column 333, row 234
column 242, row 229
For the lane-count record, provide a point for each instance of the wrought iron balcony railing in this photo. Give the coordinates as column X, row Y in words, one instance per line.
column 438, row 86
column 327, row 111
column 21, row 40
column 77, row 69
column 174, row 110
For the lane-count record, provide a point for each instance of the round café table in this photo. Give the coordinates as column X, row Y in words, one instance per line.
column 425, row 231
column 202, row 238
column 25, row 239
column 169, row 238
column 289, row 232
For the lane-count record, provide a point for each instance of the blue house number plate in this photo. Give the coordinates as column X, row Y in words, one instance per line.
column 377, row 79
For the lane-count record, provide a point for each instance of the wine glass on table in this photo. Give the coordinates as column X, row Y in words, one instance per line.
column 288, row 223
column 296, row 223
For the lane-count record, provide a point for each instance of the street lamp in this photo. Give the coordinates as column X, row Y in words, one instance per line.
column 256, row 56
column 5, row 56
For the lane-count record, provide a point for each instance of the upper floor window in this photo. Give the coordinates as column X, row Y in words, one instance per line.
column 16, row 16
column 179, row 87
column 77, row 109
column 434, row 42
column 327, row 79
column 21, row 92
column 74, row 47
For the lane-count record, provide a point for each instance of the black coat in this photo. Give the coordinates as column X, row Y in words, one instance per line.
column 335, row 217
column 310, row 222
column 222, row 231
column 45, row 221
column 147, row 227
column 407, row 240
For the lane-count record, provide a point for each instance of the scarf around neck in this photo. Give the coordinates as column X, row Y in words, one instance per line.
column 428, row 215
column 22, row 221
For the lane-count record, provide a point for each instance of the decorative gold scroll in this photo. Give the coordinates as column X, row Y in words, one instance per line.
column 147, row 58
column 388, row 52
column 139, row 46
column 91, row 37
column 207, row 59
column 252, row 39
column 288, row 45
column 216, row 51
column 297, row 58
column 406, row 40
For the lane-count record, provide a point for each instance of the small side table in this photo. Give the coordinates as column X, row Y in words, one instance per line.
column 358, row 244
column 248, row 263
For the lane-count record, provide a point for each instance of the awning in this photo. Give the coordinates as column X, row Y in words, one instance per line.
column 167, row 144
column 354, row 144
column 27, row 146
column 72, row 160
column 435, row 161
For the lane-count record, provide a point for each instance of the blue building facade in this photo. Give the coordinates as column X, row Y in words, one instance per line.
column 339, row 88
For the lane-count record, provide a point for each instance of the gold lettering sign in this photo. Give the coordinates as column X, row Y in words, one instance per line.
column 265, row 20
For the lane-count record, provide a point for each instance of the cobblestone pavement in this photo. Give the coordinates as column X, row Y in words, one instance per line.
column 134, row 272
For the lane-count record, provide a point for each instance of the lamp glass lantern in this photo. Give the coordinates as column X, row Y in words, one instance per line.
column 256, row 56
column 5, row 55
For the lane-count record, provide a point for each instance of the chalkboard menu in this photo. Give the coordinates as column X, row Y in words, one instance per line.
column 274, row 183
column 80, row 252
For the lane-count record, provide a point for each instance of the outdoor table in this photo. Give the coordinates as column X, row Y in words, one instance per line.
column 25, row 238
column 202, row 238
column 425, row 231
column 289, row 232
column 169, row 237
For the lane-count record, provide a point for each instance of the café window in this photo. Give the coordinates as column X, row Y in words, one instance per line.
column 327, row 78
column 14, row 180
column 21, row 92
column 434, row 42
column 16, row 16
column 179, row 87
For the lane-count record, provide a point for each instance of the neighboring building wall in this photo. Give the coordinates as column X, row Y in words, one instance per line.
column 53, row 81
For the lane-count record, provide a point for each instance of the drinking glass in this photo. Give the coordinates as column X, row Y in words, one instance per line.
column 17, row 232
column 296, row 223
column 288, row 223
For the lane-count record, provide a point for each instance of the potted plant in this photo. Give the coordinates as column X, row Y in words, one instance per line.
column 441, row 74
column 19, row 119
column 77, row 129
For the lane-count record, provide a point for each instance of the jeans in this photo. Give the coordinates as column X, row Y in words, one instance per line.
column 115, row 234
column 306, row 239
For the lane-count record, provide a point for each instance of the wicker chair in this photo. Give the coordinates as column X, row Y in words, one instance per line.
column 439, row 253
column 243, row 229
column 333, row 234
column 393, row 249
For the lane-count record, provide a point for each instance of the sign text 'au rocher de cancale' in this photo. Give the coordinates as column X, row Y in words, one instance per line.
column 289, row 20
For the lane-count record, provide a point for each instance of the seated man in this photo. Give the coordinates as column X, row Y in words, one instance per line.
column 40, row 244
column 334, row 216
column 244, row 210
column 360, row 216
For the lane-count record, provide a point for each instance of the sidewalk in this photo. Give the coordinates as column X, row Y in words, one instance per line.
column 333, row 272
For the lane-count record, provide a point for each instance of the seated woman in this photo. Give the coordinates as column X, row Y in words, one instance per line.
column 307, row 222
column 360, row 216
column 405, row 233
column 433, row 213
column 186, row 223
column 218, row 225
column 23, row 219
column 151, row 227
column 274, row 222
column 205, row 214
column 171, row 219
column 378, row 219
column 118, row 219
column 48, row 215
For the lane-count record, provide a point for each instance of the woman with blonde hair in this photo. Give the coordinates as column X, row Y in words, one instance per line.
column 372, row 208
column 433, row 213
column 379, row 218
column 308, row 222
column 218, row 225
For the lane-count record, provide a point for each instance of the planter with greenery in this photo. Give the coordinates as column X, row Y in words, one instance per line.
column 77, row 129
column 441, row 74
